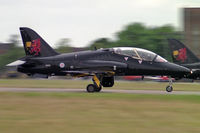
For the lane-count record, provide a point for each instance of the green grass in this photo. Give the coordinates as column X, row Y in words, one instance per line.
column 41, row 112
column 100, row 112
column 83, row 83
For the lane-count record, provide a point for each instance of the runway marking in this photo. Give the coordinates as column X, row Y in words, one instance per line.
column 103, row 91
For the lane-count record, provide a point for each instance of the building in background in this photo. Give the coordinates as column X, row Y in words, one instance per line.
column 192, row 29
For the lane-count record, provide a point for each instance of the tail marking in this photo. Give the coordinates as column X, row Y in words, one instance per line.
column 33, row 47
column 180, row 55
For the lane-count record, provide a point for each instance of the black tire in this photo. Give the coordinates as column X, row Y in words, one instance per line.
column 98, row 89
column 169, row 88
column 91, row 88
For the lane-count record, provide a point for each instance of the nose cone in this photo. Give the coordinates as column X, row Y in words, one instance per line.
column 177, row 70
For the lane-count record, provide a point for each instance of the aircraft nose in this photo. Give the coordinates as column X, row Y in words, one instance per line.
column 178, row 71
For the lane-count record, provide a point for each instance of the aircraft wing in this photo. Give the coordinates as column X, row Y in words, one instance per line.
column 88, row 73
column 92, row 67
column 101, row 64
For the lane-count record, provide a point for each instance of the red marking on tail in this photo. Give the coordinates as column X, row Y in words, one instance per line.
column 182, row 55
column 35, row 47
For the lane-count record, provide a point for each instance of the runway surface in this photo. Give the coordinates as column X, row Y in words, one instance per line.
column 103, row 91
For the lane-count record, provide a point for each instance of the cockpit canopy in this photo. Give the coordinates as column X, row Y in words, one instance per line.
column 139, row 53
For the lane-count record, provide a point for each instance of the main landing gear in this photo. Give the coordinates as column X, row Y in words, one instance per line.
column 169, row 88
column 99, row 81
column 93, row 88
column 96, row 87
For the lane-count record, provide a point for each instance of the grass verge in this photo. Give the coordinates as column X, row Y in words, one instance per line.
column 105, row 112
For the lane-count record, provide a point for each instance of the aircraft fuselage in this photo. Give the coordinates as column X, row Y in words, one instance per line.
column 100, row 60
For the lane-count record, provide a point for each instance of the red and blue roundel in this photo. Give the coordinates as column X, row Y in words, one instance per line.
column 62, row 65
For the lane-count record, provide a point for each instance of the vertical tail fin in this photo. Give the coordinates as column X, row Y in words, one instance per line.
column 34, row 45
column 180, row 53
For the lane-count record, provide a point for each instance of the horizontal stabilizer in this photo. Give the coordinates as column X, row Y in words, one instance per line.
column 16, row 63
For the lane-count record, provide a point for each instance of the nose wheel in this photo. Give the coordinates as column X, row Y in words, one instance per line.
column 169, row 88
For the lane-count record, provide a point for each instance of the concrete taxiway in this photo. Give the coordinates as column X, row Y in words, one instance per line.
column 103, row 91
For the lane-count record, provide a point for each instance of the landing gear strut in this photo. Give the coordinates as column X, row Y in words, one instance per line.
column 96, row 87
column 169, row 88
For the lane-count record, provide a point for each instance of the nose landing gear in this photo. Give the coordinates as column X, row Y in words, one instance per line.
column 169, row 88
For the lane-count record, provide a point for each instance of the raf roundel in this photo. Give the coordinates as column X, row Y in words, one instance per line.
column 62, row 65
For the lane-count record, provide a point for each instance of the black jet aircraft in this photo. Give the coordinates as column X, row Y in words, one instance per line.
column 103, row 64
column 183, row 56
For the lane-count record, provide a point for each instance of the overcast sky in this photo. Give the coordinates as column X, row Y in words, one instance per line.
column 86, row 20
